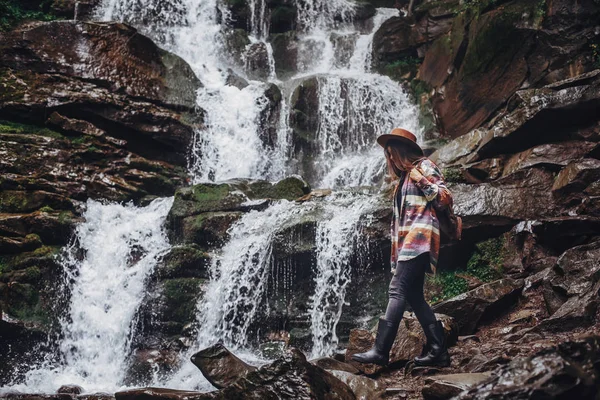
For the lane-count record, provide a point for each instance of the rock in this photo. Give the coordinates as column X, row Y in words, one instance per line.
column 283, row 16
column 236, row 42
column 143, row 93
column 270, row 116
column 407, row 345
column 532, row 110
column 577, row 175
column 288, row 377
column 186, row 261
column 70, row 389
column 473, row 77
column 16, row 341
column 234, row 79
column 522, row 195
column 485, row 302
column 257, row 61
column 364, row 388
column 564, row 370
column 219, row 366
column 161, row 394
column 73, row 126
column 572, row 290
column 441, row 387
column 331, row 364
column 285, row 54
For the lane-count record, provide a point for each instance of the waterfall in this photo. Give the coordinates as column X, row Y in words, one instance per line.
column 121, row 243
column 120, row 246
column 337, row 238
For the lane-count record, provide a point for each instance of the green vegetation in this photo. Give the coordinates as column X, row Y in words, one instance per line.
column 24, row 129
column 445, row 285
column 13, row 12
column 401, row 67
column 46, row 209
column 595, row 46
column 453, row 175
column 485, row 265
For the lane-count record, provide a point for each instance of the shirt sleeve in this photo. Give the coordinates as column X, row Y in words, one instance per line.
column 432, row 184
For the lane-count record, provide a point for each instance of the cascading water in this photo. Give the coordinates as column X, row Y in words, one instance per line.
column 121, row 245
column 337, row 236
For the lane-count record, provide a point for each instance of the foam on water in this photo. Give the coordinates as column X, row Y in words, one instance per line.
column 121, row 245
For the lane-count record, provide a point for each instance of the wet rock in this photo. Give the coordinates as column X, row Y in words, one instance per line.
column 285, row 54
column 257, row 61
column 234, row 79
column 331, row 364
column 288, row 377
column 485, row 302
column 186, row 261
column 105, row 110
column 70, row 389
column 96, row 396
column 407, row 345
column 219, row 366
column 270, row 116
column 16, row 341
column 531, row 111
column 572, row 290
column 364, row 388
column 162, row 394
column 236, row 42
column 441, row 387
column 522, row 195
column 479, row 82
column 565, row 370
column 283, row 15
column 577, row 175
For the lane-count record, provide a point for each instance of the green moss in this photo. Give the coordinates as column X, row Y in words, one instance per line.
column 453, row 175
column 595, row 47
column 487, row 262
column 398, row 69
column 180, row 297
column 46, row 209
column 13, row 12
column 65, row 218
column 24, row 303
column 25, row 129
column 445, row 285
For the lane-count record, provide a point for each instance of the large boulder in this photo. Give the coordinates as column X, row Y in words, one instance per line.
column 483, row 303
column 408, row 344
column 442, row 387
column 572, row 288
column 549, row 109
column 473, row 76
column 219, row 366
column 564, row 371
column 141, row 93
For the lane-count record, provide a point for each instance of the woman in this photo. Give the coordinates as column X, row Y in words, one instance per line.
column 420, row 189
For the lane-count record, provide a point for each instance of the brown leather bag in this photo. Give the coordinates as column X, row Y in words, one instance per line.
column 450, row 223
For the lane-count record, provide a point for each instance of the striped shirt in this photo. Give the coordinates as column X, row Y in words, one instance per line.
column 415, row 228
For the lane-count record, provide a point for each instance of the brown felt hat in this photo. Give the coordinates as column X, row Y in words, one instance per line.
column 401, row 136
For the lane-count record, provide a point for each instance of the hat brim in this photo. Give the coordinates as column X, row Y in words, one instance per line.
column 385, row 138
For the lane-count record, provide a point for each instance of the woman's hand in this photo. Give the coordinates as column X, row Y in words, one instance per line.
column 415, row 175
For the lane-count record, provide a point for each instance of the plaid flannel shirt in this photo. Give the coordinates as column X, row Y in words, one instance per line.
column 415, row 228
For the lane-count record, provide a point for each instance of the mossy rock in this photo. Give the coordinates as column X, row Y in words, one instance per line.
column 187, row 261
column 206, row 197
column 22, row 301
column 22, row 201
column 179, row 298
column 208, row 229
column 487, row 262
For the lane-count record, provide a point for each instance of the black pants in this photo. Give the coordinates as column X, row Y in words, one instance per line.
column 407, row 287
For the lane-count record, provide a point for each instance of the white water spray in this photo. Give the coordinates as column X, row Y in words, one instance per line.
column 121, row 245
column 337, row 238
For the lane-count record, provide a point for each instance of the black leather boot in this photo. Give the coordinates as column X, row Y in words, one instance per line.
column 380, row 353
column 437, row 354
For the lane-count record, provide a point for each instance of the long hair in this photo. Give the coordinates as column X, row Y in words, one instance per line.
column 400, row 158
